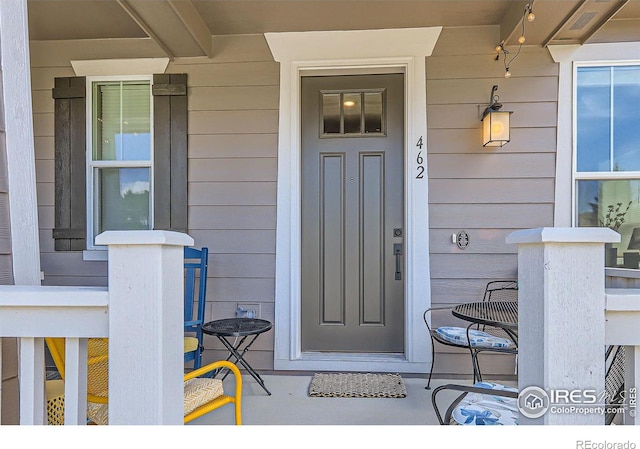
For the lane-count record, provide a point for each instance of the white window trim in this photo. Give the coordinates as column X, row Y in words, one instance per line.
column 341, row 52
column 568, row 56
column 97, row 252
column 119, row 67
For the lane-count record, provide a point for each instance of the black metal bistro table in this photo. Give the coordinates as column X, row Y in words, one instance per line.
column 500, row 314
column 503, row 314
column 246, row 328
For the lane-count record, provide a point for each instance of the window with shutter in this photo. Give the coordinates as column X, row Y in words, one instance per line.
column 133, row 163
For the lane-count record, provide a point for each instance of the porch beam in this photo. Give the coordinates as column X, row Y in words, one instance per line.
column 194, row 23
column 618, row 5
column 510, row 24
column 145, row 27
column 562, row 33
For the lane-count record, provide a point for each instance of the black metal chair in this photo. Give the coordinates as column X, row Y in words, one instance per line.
column 476, row 338
column 483, row 402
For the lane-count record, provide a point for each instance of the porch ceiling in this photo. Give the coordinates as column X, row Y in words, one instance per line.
column 185, row 27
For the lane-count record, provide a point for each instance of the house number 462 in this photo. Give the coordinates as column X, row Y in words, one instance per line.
column 420, row 160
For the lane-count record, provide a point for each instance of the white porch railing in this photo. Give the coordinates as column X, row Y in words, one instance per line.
column 622, row 327
column 140, row 312
column 566, row 319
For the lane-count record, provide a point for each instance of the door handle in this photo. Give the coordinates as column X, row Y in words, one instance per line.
column 397, row 251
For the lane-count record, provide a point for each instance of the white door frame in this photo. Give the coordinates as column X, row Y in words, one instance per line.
column 350, row 52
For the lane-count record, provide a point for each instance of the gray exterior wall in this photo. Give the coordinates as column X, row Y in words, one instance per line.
column 488, row 192
column 233, row 125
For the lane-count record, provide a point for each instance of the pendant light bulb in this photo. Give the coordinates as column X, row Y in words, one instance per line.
column 507, row 73
column 521, row 39
column 531, row 16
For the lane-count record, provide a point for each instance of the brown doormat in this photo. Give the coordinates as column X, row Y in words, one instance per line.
column 357, row 385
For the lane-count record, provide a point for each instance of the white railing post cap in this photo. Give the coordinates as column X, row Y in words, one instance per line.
column 171, row 238
column 564, row 235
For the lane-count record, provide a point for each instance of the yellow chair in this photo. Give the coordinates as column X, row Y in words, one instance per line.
column 201, row 395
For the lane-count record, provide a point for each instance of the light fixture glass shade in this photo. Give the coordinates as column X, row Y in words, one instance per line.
column 495, row 128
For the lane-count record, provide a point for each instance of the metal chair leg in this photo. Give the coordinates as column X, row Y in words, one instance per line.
column 477, row 375
column 433, row 361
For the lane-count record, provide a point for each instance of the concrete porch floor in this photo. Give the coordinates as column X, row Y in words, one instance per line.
column 289, row 404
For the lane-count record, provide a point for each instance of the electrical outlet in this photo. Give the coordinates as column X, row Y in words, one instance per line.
column 248, row 310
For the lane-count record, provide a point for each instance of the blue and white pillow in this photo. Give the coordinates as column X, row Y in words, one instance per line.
column 479, row 339
column 478, row 409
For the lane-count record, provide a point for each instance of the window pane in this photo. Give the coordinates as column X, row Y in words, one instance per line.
column 613, row 204
column 331, row 113
column 593, row 104
column 352, row 113
column 626, row 118
column 122, row 121
column 373, row 112
column 122, row 199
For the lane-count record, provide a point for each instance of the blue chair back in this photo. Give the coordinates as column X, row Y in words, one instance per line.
column 195, row 294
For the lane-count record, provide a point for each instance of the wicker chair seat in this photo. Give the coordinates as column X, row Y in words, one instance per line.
column 197, row 393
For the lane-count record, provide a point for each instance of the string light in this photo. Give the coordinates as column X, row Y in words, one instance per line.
column 500, row 48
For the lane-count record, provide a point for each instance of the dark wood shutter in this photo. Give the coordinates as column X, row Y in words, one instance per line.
column 170, row 151
column 70, row 170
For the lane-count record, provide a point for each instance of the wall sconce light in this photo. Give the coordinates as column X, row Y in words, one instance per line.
column 495, row 123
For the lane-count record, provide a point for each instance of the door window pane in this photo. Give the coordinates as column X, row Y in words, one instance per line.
column 331, row 113
column 122, row 198
column 373, row 112
column 352, row 113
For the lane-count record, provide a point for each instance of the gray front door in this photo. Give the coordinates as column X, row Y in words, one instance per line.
column 352, row 213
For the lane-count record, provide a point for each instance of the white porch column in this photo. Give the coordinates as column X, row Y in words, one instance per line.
column 561, row 325
column 18, row 127
column 146, row 291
